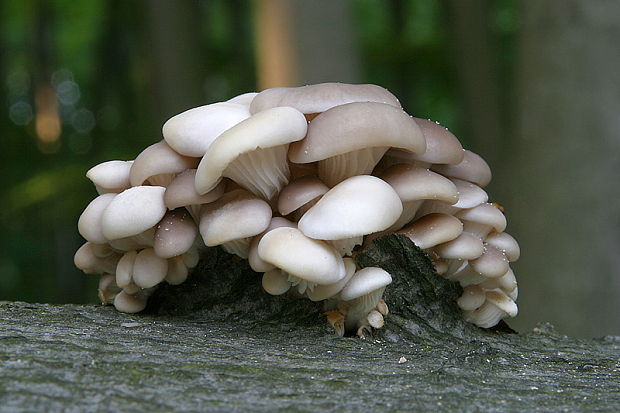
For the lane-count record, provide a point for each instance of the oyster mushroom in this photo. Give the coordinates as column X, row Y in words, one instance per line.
column 308, row 262
column 181, row 192
column 414, row 185
column 350, row 139
column 314, row 99
column 442, row 147
column 110, row 176
column 472, row 168
column 159, row 164
column 233, row 220
column 253, row 153
column 300, row 195
column 355, row 207
column 360, row 297
column 190, row 133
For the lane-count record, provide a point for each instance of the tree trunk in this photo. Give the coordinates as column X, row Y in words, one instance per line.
column 178, row 67
column 474, row 52
column 564, row 196
column 292, row 52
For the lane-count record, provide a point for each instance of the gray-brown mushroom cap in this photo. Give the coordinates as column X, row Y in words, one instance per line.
column 321, row 97
column 472, row 168
column 350, row 139
column 159, row 164
column 253, row 153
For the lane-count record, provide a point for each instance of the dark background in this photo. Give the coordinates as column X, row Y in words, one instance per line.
column 532, row 86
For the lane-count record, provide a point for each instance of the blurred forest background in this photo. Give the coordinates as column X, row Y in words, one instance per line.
column 534, row 87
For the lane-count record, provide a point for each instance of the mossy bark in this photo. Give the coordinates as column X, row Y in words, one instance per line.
column 218, row 343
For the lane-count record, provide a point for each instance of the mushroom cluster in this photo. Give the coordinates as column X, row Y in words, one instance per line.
column 297, row 181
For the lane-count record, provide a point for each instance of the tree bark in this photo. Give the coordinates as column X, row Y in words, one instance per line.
column 563, row 197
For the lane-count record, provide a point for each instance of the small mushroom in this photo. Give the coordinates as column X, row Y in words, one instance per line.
column 253, row 153
column 472, row 168
column 86, row 260
column 442, row 147
column 232, row 220
column 312, row 261
column 505, row 243
column 361, row 295
column 355, row 207
column 482, row 219
column 255, row 261
column 159, row 164
column 175, row 234
column 432, row 230
column 133, row 211
column 110, row 176
column 414, row 185
column 190, row 133
column 300, row 195
column 350, row 139
column 181, row 192
column 89, row 223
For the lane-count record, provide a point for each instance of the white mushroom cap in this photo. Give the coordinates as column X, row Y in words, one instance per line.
column 275, row 281
column 309, row 259
column 357, row 206
column 300, row 192
column 499, row 299
column 491, row 264
column 190, row 133
column 181, row 192
column 365, row 281
column 321, row 97
column 473, row 297
column 238, row 214
column 432, row 230
column 263, row 140
column 470, row 195
column 472, row 168
column 133, row 211
column 413, row 183
column 255, row 261
column 89, row 224
column 442, row 147
column 86, row 260
column 507, row 282
column 159, row 164
column 175, row 234
column 110, row 176
column 482, row 219
column 323, row 292
column 350, row 139
column 464, row 247
column 505, row 243
column 130, row 303
column 244, row 99
column 124, row 269
column 149, row 269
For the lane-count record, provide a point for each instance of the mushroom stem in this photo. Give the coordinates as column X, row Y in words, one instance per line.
column 264, row 171
column 345, row 246
column 357, row 310
column 337, row 168
column 239, row 247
